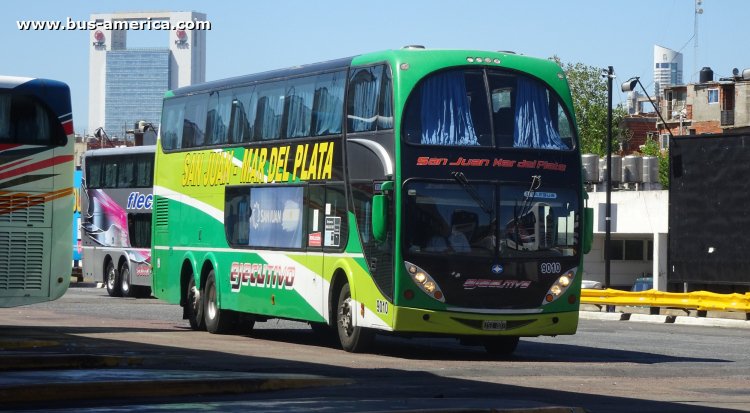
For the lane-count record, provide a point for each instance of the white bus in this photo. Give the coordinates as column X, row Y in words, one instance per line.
column 36, row 190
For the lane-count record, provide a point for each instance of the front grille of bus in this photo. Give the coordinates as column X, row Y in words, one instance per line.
column 21, row 260
column 162, row 212
column 22, row 209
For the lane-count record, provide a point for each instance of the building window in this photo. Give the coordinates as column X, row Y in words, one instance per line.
column 713, row 96
column 628, row 250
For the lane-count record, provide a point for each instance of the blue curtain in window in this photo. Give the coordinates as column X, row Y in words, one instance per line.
column 534, row 126
column 365, row 109
column 329, row 105
column 299, row 109
column 385, row 120
column 272, row 108
column 446, row 113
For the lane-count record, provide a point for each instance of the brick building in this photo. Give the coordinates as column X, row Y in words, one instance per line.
column 709, row 106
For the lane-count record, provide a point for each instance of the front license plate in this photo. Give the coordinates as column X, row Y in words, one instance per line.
column 494, row 325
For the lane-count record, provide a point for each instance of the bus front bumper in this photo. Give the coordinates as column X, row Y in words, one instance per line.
column 475, row 324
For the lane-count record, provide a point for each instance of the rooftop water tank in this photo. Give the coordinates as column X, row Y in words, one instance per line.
column 706, row 75
column 616, row 169
column 590, row 167
column 631, row 169
column 650, row 173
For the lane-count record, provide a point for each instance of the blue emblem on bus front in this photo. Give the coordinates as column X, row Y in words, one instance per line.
column 497, row 269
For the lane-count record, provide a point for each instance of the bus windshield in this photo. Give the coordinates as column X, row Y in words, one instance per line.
column 473, row 107
column 510, row 220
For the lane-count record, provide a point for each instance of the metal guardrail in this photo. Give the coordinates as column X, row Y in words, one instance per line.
column 698, row 300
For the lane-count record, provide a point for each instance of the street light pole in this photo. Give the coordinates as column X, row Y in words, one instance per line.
column 608, row 214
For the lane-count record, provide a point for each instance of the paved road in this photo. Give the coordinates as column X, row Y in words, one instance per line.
column 609, row 366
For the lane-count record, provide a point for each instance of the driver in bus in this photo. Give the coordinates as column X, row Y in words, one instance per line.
column 444, row 240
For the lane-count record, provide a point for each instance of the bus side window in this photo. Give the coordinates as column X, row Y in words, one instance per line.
column 385, row 115
column 126, row 173
column 244, row 104
column 144, row 171
column 24, row 120
column 328, row 104
column 5, row 117
column 109, row 173
column 93, row 173
column 269, row 112
column 298, row 111
column 362, row 104
column 195, row 121
column 237, row 215
column 172, row 123
column 219, row 109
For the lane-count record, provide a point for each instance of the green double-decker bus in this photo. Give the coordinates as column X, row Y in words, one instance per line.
column 412, row 191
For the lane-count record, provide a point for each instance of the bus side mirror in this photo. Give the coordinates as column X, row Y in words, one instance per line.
column 588, row 229
column 380, row 212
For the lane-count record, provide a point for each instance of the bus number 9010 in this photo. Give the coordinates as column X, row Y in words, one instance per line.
column 382, row 306
column 551, row 268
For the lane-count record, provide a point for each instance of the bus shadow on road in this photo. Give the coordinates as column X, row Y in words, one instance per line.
column 387, row 389
column 441, row 348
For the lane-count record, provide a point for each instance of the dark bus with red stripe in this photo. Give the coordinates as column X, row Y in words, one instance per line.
column 36, row 190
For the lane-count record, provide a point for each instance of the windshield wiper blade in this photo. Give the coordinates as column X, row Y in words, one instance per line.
column 536, row 182
column 461, row 179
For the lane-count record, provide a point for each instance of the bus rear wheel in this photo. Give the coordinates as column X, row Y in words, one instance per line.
column 353, row 339
column 125, row 287
column 194, row 306
column 112, row 280
column 218, row 321
column 501, row 345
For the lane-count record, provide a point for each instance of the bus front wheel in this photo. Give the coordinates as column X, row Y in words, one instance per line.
column 218, row 321
column 194, row 306
column 112, row 279
column 353, row 339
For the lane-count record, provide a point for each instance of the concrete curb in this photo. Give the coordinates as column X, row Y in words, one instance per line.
column 665, row 319
column 714, row 322
column 67, row 385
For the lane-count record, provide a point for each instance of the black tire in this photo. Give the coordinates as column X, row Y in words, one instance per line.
column 501, row 345
column 353, row 339
column 126, row 288
column 112, row 280
column 194, row 306
column 218, row 321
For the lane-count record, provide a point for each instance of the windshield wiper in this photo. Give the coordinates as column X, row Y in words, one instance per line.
column 461, row 179
column 528, row 196
column 521, row 218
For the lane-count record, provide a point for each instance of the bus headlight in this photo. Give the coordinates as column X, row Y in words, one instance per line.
column 424, row 281
column 559, row 287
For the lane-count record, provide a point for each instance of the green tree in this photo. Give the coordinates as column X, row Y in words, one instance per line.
column 589, row 91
